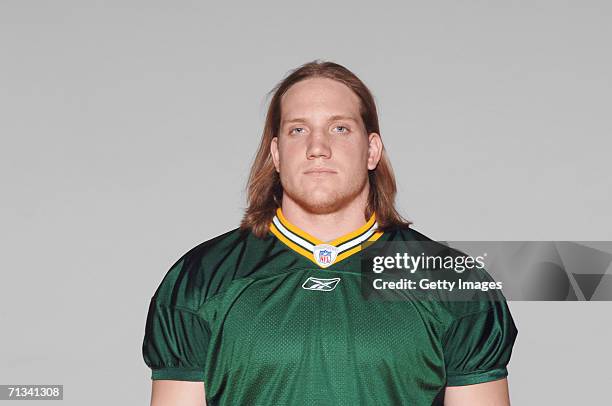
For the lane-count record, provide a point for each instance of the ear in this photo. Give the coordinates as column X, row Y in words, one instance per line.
column 375, row 147
column 274, row 153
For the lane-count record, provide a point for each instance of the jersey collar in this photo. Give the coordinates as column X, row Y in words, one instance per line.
column 322, row 253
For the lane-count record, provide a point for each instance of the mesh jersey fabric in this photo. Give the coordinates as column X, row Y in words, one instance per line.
column 232, row 312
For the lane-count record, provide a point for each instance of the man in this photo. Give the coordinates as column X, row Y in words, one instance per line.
column 272, row 313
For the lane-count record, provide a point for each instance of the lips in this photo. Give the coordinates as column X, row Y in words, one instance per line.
column 317, row 171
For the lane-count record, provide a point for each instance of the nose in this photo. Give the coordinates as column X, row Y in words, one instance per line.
column 318, row 146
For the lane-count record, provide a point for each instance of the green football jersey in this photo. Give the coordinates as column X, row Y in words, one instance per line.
column 282, row 320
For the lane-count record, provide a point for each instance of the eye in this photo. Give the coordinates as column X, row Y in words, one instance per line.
column 297, row 128
column 345, row 128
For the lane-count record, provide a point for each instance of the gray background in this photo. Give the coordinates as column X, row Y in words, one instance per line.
column 128, row 129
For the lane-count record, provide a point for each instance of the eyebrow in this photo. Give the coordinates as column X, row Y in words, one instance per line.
column 330, row 118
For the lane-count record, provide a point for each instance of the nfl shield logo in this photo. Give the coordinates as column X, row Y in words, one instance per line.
column 325, row 254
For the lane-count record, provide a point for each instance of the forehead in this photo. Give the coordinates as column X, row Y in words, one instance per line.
column 319, row 97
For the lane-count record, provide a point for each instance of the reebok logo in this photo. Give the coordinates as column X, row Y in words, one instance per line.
column 320, row 284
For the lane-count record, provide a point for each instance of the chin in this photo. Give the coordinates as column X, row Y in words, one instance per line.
column 321, row 203
column 321, row 207
column 322, row 197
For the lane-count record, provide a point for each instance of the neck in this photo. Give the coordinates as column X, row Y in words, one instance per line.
column 329, row 226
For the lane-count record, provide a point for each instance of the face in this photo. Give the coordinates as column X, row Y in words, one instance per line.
column 322, row 151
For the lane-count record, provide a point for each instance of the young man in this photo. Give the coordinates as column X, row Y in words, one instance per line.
column 272, row 313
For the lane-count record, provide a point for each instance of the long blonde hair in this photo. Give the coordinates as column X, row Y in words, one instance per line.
column 264, row 190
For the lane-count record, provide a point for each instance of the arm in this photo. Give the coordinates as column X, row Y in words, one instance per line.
column 177, row 393
column 174, row 347
column 478, row 347
column 493, row 393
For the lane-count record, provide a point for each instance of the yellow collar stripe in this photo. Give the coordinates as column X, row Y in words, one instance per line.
column 358, row 248
column 305, row 244
column 291, row 244
column 289, row 228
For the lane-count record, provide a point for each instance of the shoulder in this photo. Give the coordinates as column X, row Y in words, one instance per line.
column 458, row 302
column 405, row 233
column 206, row 269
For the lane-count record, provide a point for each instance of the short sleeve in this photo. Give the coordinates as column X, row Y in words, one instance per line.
column 477, row 346
column 175, row 343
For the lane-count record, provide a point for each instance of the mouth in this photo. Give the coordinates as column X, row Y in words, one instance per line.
column 319, row 171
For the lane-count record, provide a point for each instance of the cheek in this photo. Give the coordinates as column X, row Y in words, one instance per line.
column 353, row 158
column 290, row 157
